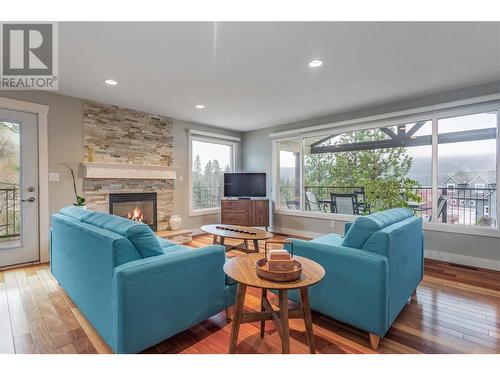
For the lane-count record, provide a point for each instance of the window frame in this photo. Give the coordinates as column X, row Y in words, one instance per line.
column 434, row 116
column 233, row 142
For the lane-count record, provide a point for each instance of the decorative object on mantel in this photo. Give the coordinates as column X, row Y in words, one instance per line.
column 276, row 268
column 175, row 222
column 79, row 201
column 90, row 154
column 130, row 171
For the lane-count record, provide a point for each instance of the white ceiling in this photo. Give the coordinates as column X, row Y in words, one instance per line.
column 255, row 75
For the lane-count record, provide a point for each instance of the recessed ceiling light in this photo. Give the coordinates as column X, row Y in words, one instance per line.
column 110, row 82
column 315, row 63
column 200, row 106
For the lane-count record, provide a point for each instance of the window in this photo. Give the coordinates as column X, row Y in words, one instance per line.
column 442, row 167
column 362, row 171
column 467, row 152
column 210, row 159
column 289, row 174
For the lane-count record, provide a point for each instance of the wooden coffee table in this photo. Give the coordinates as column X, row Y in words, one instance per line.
column 237, row 232
column 242, row 270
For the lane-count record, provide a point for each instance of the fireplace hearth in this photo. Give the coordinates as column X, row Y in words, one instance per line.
column 139, row 207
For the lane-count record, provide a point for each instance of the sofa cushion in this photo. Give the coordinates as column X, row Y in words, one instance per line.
column 329, row 239
column 364, row 226
column 139, row 234
column 75, row 212
column 164, row 243
column 176, row 248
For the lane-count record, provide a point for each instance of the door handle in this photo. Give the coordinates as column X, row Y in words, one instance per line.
column 30, row 199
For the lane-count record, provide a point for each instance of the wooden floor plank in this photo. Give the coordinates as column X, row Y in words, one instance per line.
column 456, row 310
column 6, row 339
column 41, row 337
column 99, row 344
column 58, row 333
column 19, row 322
column 28, row 298
column 81, row 342
column 68, row 349
column 24, row 344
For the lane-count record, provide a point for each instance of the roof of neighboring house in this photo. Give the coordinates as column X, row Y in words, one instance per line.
column 465, row 178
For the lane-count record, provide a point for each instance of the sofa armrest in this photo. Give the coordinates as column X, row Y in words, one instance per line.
column 157, row 297
column 355, row 286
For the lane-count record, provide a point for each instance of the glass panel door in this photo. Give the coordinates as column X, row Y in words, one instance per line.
column 18, row 188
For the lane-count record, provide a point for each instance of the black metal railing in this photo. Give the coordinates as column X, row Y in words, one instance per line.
column 461, row 205
column 9, row 213
column 206, row 197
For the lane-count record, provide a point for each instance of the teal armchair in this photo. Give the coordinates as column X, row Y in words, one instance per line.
column 371, row 272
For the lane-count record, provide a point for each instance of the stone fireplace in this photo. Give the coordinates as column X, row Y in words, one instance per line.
column 119, row 136
column 139, row 207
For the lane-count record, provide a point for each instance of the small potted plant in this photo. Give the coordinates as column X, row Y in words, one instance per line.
column 79, row 201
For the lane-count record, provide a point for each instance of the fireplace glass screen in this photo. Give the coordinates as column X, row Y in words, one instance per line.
column 139, row 207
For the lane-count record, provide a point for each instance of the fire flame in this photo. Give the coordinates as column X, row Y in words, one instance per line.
column 136, row 215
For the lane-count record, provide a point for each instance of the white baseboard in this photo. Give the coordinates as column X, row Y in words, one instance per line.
column 465, row 260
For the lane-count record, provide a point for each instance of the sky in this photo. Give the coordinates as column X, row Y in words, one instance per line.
column 211, row 151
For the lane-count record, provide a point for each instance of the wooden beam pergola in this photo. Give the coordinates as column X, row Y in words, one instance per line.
column 408, row 140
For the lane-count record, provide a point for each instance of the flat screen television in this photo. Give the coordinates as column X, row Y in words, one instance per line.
column 246, row 185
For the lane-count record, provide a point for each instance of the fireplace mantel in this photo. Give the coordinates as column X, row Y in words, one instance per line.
column 126, row 171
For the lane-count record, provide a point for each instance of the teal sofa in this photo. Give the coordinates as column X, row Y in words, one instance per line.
column 371, row 272
column 136, row 289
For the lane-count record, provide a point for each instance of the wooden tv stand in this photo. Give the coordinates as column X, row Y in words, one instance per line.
column 246, row 212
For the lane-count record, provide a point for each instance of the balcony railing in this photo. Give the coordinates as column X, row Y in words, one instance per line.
column 9, row 213
column 206, row 197
column 461, row 205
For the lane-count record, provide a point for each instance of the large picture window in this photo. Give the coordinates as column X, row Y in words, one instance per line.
column 210, row 159
column 443, row 168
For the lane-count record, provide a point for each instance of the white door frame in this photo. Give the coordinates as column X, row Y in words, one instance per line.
column 42, row 112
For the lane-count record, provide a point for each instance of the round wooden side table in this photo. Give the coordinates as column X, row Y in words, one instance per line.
column 242, row 270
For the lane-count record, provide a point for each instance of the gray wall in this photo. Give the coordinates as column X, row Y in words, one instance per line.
column 66, row 145
column 256, row 157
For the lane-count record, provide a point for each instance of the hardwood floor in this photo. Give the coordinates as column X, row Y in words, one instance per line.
column 456, row 310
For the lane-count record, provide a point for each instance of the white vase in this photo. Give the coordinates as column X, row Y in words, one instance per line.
column 175, row 222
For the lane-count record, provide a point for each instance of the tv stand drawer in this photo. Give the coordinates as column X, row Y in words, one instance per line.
column 245, row 212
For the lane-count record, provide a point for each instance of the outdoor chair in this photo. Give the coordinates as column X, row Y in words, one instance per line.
column 344, row 203
column 313, row 203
